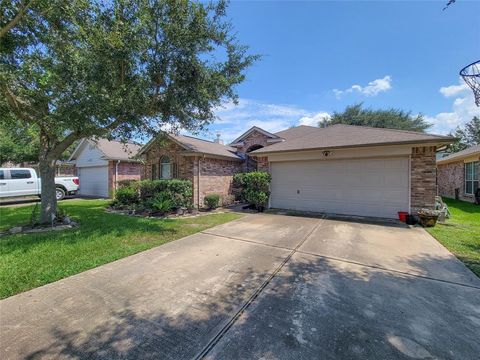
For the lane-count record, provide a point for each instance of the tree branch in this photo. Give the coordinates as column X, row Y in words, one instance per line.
column 20, row 107
column 12, row 23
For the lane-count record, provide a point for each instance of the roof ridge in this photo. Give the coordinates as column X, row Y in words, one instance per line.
column 208, row 141
column 396, row 130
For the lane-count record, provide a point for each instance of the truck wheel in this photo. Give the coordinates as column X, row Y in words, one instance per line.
column 59, row 193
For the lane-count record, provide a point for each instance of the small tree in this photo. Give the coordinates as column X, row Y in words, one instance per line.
column 76, row 69
column 467, row 136
column 390, row 118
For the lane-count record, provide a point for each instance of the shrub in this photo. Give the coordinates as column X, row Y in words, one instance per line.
column 212, row 201
column 253, row 187
column 163, row 202
column 126, row 183
column 126, row 196
column 180, row 191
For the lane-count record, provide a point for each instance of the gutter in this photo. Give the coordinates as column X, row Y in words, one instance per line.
column 416, row 143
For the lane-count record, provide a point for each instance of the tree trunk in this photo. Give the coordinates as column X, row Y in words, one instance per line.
column 49, row 200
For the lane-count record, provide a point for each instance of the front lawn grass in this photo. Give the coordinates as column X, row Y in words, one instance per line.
column 461, row 233
column 31, row 260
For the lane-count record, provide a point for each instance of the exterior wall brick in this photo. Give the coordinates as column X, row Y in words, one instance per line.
column 126, row 171
column 450, row 177
column 423, row 178
column 173, row 151
column 216, row 176
column 254, row 138
column 262, row 164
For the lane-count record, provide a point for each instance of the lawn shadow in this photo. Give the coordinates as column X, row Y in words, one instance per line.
column 313, row 308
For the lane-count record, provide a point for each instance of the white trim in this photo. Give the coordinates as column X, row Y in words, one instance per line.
column 256, row 128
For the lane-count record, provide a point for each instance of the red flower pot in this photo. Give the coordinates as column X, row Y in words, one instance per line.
column 402, row 216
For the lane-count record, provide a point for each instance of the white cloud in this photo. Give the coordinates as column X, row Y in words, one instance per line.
column 233, row 120
column 463, row 109
column 314, row 119
column 453, row 90
column 373, row 88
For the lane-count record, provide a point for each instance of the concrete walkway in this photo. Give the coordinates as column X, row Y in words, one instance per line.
column 264, row 286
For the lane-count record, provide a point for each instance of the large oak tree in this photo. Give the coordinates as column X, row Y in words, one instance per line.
column 83, row 68
column 380, row 118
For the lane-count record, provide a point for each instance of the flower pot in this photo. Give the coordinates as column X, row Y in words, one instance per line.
column 402, row 216
column 410, row 220
column 427, row 220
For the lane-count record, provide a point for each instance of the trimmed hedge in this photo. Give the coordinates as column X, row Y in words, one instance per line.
column 253, row 187
column 212, row 201
column 164, row 195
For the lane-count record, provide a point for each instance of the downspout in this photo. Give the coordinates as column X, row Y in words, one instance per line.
column 198, row 182
column 116, row 174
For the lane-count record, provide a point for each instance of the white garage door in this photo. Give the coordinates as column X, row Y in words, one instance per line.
column 373, row 187
column 93, row 181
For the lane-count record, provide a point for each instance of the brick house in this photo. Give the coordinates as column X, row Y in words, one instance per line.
column 100, row 163
column 458, row 174
column 339, row 169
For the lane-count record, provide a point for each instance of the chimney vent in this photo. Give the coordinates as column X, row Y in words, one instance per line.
column 218, row 140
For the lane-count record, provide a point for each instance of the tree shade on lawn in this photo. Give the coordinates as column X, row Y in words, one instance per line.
column 31, row 260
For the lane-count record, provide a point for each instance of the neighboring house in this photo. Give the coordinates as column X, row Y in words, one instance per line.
column 62, row 168
column 339, row 169
column 458, row 174
column 101, row 163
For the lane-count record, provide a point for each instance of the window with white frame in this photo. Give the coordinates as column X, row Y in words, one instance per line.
column 471, row 177
column 165, row 168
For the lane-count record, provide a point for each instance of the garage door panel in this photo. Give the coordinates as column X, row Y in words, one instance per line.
column 378, row 187
column 94, row 181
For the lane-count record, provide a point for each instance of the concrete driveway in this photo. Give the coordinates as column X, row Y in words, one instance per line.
column 262, row 287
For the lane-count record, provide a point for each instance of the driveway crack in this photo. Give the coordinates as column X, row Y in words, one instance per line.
column 230, row 322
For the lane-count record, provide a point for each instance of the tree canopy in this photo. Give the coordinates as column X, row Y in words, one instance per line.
column 466, row 136
column 390, row 118
column 83, row 68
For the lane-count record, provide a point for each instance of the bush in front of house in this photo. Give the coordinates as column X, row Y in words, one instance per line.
column 253, row 187
column 161, row 196
column 212, row 201
column 180, row 191
column 126, row 196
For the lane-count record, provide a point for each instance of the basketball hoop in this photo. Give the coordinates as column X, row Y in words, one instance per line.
column 471, row 75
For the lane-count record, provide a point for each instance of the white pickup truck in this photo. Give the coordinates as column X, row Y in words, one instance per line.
column 25, row 182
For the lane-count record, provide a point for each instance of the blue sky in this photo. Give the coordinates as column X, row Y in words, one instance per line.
column 320, row 56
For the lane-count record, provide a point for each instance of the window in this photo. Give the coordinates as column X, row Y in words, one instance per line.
column 165, row 168
column 20, row 174
column 471, row 177
column 154, row 171
column 1, row 175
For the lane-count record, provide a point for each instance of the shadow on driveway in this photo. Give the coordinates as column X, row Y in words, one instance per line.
column 313, row 308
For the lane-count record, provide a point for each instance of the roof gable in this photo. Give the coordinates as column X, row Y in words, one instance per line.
column 110, row 149
column 253, row 129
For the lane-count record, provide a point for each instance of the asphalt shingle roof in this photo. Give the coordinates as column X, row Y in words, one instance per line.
column 116, row 150
column 206, row 147
column 344, row 136
column 471, row 151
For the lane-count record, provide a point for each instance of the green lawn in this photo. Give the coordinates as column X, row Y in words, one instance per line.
column 461, row 233
column 31, row 260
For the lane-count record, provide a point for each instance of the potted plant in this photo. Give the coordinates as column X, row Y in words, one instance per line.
column 427, row 217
